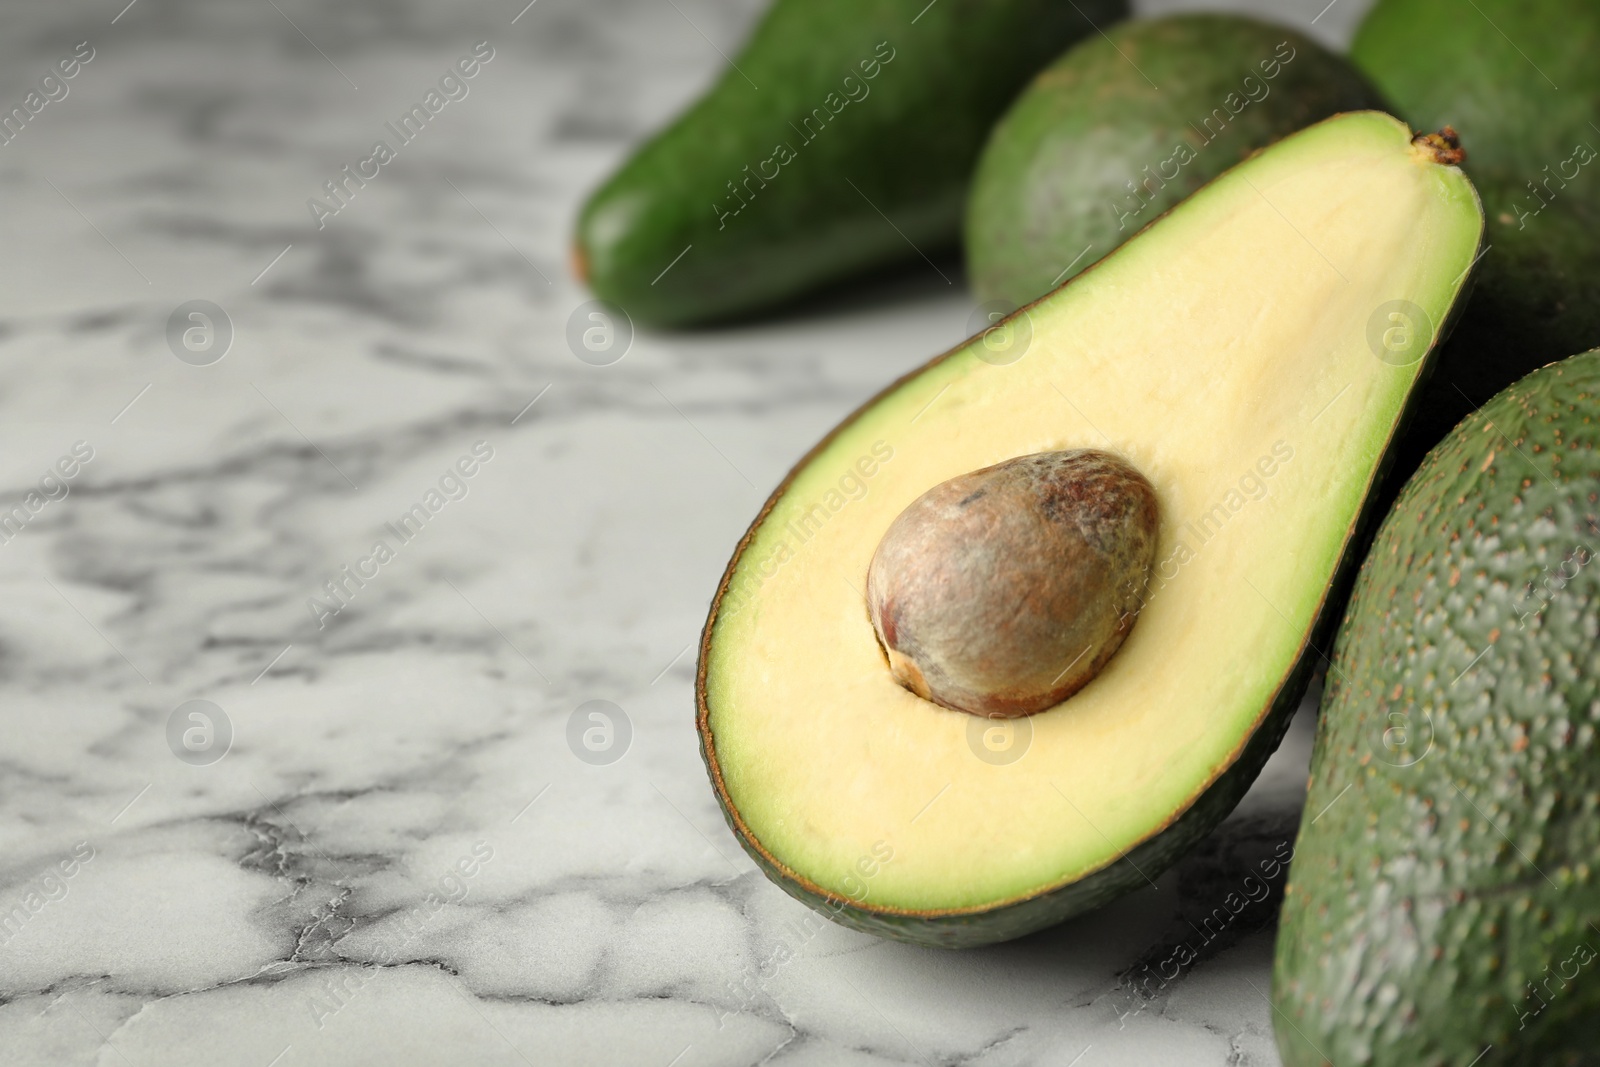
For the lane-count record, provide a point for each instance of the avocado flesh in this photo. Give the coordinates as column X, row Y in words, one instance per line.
column 1097, row 147
column 1442, row 903
column 841, row 140
column 1229, row 339
column 1519, row 82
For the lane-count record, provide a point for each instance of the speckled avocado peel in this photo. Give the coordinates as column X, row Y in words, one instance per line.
column 1442, row 904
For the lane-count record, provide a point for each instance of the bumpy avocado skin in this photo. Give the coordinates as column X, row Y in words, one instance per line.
column 879, row 174
column 1442, row 898
column 1124, row 126
column 1520, row 83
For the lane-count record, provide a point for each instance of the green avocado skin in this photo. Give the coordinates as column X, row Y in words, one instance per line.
column 1443, row 899
column 1520, row 83
column 846, row 172
column 1124, row 126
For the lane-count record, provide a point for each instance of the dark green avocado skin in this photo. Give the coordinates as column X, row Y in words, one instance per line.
column 1442, row 905
column 859, row 122
column 1124, row 126
column 1520, row 83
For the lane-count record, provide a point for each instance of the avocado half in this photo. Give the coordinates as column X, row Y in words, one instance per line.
column 1254, row 353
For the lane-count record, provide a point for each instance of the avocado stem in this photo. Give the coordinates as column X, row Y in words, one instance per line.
column 1443, row 147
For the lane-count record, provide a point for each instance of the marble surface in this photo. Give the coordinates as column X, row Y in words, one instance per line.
column 375, row 845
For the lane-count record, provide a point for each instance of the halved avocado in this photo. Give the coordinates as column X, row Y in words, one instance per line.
column 1252, row 354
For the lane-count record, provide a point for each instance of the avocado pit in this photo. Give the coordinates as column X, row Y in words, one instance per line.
column 1003, row 591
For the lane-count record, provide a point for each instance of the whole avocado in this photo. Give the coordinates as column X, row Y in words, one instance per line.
column 1519, row 82
column 1442, row 903
column 1125, row 125
column 840, row 139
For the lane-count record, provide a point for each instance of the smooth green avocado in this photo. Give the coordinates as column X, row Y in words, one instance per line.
column 1442, row 906
column 1520, row 83
column 1124, row 126
column 1235, row 357
column 840, row 139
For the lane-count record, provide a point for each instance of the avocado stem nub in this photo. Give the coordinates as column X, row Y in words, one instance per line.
column 1443, row 147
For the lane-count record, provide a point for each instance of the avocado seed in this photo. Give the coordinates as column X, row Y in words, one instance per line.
column 1004, row 591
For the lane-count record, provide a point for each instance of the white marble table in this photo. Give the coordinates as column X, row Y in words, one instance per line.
column 399, row 859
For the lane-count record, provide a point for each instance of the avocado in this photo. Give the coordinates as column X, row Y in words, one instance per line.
column 1442, row 902
column 1124, row 126
column 1519, row 82
column 839, row 140
column 1237, row 354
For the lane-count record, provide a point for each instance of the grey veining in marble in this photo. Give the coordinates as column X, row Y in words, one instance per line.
column 399, row 859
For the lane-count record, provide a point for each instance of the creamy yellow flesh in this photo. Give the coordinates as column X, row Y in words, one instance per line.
column 1229, row 340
